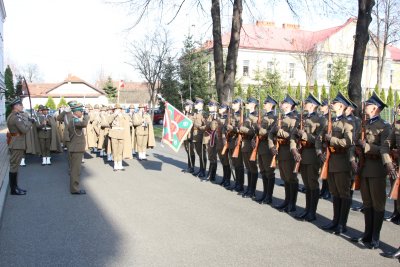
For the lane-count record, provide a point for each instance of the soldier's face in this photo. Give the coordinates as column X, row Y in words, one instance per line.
column 199, row 106
column 286, row 107
column 45, row 112
column 250, row 106
column 187, row 108
column 324, row 109
column 236, row 106
column 18, row 107
column 78, row 113
column 212, row 108
column 337, row 106
column 222, row 110
column 349, row 110
column 267, row 107
column 309, row 107
column 371, row 110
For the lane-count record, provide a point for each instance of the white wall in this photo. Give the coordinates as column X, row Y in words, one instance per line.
column 72, row 89
column 102, row 100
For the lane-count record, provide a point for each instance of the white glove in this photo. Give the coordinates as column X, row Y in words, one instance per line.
column 67, row 109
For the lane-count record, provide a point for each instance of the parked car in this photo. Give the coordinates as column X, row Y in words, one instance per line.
column 158, row 117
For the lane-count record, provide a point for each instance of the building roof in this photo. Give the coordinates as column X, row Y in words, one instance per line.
column 395, row 52
column 288, row 38
column 43, row 89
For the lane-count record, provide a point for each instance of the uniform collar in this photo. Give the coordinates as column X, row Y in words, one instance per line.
column 270, row 113
column 288, row 114
column 338, row 118
column 374, row 119
column 254, row 113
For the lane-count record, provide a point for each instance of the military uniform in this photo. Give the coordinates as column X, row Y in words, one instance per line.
column 221, row 139
column 210, row 139
column 373, row 173
column 65, row 117
column 324, row 192
column 119, row 134
column 265, row 155
column 237, row 161
column 198, row 132
column 248, row 134
column 90, row 131
column 339, row 172
column 18, row 125
column 286, row 161
column 188, row 142
column 392, row 149
column 309, row 164
column 144, row 132
column 76, row 148
column 43, row 126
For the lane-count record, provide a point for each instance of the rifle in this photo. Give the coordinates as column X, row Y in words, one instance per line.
column 325, row 166
column 361, row 159
column 227, row 134
column 235, row 153
column 297, row 165
column 253, row 156
column 273, row 161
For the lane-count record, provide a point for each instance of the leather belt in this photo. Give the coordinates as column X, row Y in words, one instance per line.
column 305, row 144
column 337, row 150
column 15, row 134
column 372, row 156
column 282, row 141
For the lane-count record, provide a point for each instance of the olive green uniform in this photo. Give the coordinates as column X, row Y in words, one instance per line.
column 265, row 157
column 237, row 162
column 43, row 127
column 141, row 122
column 285, row 158
column 189, row 147
column 198, row 132
column 248, row 135
column 309, row 165
column 209, row 140
column 76, row 149
column 220, row 143
column 339, row 172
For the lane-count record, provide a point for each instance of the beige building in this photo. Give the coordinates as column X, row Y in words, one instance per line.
column 302, row 56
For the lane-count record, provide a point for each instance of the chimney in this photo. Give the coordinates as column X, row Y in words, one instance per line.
column 262, row 23
column 290, row 26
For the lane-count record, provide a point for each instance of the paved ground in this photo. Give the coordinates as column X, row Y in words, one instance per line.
column 154, row 215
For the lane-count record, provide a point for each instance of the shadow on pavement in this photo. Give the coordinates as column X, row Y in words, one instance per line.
column 169, row 160
column 51, row 227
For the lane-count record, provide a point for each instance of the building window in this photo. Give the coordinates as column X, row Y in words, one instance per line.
column 348, row 71
column 291, row 70
column 246, row 64
column 329, row 72
column 391, row 76
column 270, row 65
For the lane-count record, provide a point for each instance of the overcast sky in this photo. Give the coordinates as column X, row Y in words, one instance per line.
column 83, row 37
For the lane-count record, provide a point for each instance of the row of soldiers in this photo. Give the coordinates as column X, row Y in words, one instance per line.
column 300, row 142
column 115, row 132
column 111, row 132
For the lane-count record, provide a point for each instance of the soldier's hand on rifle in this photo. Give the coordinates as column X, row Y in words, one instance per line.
column 391, row 171
column 273, row 150
column 243, row 130
column 300, row 133
column 322, row 157
column 354, row 166
column 262, row 131
column 281, row 133
column 328, row 137
column 296, row 155
column 361, row 143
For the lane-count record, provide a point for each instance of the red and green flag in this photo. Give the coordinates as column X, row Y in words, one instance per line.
column 176, row 127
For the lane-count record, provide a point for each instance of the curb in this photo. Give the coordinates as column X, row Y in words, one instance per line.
column 3, row 196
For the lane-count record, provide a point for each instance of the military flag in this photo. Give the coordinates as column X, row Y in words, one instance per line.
column 176, row 127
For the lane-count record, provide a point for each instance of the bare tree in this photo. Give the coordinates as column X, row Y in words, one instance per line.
column 149, row 57
column 31, row 73
column 309, row 56
column 386, row 29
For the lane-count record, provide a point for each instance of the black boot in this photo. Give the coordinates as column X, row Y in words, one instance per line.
column 213, row 172
column 252, row 185
column 325, row 194
column 392, row 255
column 227, row 182
column 344, row 214
column 270, row 189
column 366, row 237
column 336, row 213
column 395, row 216
column 302, row 215
column 294, row 189
column 14, row 185
column 223, row 175
column 312, row 213
column 285, row 203
column 193, row 159
column 265, row 188
column 239, row 179
column 248, row 184
column 20, row 189
column 376, row 228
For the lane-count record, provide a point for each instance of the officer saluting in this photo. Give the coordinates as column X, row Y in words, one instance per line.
column 18, row 126
column 373, row 174
column 76, row 146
